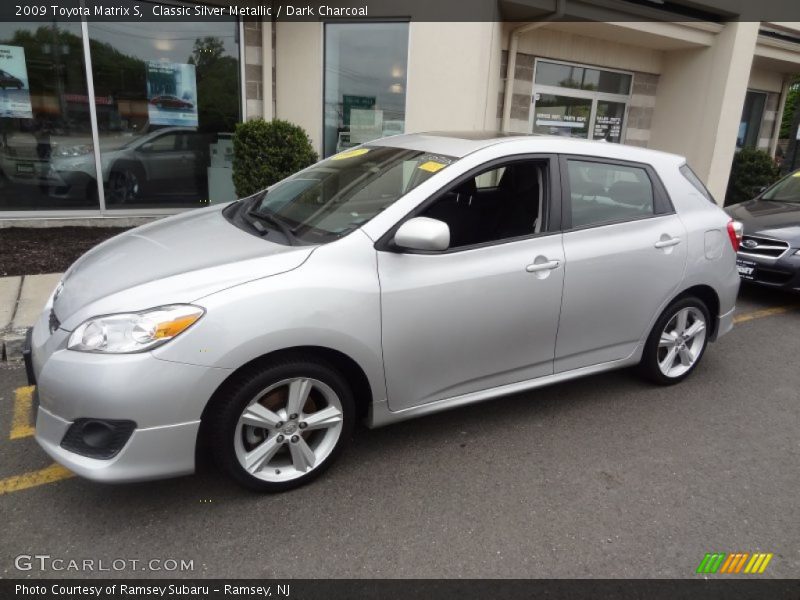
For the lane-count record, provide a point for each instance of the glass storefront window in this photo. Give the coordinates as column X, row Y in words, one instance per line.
column 582, row 78
column 608, row 121
column 365, row 82
column 750, row 124
column 562, row 115
column 168, row 98
column 46, row 153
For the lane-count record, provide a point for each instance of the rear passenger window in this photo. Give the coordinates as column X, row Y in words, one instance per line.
column 604, row 193
column 687, row 172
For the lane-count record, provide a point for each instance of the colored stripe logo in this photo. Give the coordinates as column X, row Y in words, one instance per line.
column 737, row 562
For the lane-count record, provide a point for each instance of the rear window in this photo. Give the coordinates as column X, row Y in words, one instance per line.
column 687, row 172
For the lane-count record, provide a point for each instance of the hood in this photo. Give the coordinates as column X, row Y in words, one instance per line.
column 780, row 220
column 177, row 259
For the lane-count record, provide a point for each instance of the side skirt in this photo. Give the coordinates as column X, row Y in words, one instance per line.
column 380, row 415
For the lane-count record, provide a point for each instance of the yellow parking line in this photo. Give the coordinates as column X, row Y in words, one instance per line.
column 766, row 312
column 21, row 422
column 54, row 472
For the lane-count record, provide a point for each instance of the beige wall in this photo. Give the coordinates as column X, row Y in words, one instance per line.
column 298, row 73
column 700, row 98
column 588, row 50
column 766, row 81
column 453, row 76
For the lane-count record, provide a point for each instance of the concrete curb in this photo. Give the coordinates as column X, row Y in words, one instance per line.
column 21, row 302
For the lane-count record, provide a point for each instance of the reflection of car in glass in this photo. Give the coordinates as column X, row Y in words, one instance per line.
column 168, row 101
column 770, row 251
column 169, row 160
column 7, row 80
column 407, row 276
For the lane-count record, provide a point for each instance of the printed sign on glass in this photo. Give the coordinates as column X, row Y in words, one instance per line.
column 15, row 98
column 171, row 94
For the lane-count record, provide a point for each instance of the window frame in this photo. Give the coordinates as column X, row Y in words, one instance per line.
column 662, row 204
column 552, row 205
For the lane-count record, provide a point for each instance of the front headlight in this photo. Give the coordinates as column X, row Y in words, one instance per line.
column 133, row 332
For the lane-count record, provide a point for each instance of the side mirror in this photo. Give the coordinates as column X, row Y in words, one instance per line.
column 148, row 147
column 423, row 233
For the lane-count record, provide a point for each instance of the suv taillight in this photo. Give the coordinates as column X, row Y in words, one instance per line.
column 735, row 230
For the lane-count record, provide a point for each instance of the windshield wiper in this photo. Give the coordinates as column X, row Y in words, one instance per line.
column 275, row 222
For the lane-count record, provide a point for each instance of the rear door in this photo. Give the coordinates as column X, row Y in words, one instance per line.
column 625, row 251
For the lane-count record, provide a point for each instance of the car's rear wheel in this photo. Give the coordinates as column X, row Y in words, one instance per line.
column 279, row 427
column 125, row 183
column 677, row 342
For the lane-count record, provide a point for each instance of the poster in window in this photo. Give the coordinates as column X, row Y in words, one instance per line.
column 15, row 97
column 171, row 94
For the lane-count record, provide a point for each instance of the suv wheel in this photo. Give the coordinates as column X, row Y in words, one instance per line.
column 677, row 342
column 280, row 427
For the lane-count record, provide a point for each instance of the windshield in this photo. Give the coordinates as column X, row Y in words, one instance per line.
column 335, row 196
column 786, row 190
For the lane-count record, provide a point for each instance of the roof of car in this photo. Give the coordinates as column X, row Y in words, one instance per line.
column 461, row 143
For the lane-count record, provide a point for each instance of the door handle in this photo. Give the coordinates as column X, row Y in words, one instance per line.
column 667, row 243
column 545, row 266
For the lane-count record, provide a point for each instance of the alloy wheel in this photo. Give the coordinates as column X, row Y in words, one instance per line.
column 682, row 342
column 124, row 186
column 288, row 429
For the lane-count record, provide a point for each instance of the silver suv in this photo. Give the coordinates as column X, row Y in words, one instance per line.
column 407, row 276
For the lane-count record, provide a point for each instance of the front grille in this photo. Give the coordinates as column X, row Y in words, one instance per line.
column 754, row 245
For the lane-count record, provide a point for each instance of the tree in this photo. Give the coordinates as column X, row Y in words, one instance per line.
column 791, row 121
column 207, row 51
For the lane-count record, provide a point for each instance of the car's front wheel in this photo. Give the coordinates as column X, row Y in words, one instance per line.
column 279, row 427
column 677, row 342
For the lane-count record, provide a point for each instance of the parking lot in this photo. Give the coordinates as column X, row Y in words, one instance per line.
column 606, row 477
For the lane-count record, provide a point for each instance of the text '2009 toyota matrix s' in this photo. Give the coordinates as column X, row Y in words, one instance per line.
column 410, row 275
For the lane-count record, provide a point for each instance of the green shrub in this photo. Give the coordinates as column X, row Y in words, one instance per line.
column 264, row 152
column 752, row 170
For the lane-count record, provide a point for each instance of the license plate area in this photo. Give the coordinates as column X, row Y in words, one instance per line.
column 747, row 268
column 25, row 168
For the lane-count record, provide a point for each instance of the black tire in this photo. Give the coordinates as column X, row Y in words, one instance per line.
column 231, row 400
column 649, row 365
column 125, row 183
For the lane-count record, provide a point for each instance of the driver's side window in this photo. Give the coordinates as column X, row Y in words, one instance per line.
column 503, row 202
column 164, row 143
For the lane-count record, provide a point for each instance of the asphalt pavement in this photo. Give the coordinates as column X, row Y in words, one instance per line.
column 607, row 476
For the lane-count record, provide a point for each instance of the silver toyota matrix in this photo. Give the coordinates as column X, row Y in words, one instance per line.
column 410, row 275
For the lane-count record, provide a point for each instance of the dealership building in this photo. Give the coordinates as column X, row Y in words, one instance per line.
column 108, row 120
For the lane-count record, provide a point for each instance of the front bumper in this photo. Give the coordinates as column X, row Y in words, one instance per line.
column 164, row 399
column 782, row 273
column 150, row 453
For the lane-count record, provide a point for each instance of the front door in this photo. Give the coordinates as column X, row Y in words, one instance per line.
column 485, row 312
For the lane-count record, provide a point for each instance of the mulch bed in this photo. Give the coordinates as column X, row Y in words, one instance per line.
column 31, row 251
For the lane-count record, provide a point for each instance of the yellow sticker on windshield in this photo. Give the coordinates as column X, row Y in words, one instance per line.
column 432, row 166
column 350, row 153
